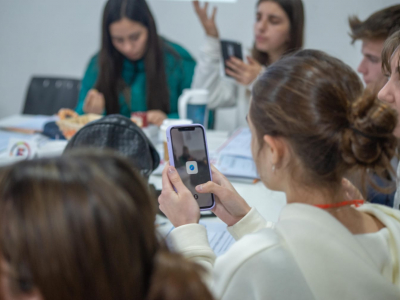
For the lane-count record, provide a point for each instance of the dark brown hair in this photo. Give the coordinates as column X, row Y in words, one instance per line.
column 314, row 101
column 82, row 227
column 110, row 81
column 295, row 11
column 392, row 44
column 379, row 25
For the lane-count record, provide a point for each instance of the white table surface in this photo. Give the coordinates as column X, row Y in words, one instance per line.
column 268, row 203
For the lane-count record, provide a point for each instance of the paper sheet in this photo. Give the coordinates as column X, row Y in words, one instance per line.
column 239, row 144
column 235, row 157
column 36, row 122
column 218, row 236
column 5, row 137
column 236, row 166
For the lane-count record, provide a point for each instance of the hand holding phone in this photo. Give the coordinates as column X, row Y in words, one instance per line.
column 230, row 49
column 178, row 204
column 230, row 207
column 187, row 149
column 243, row 73
column 234, row 66
column 176, row 201
column 188, row 184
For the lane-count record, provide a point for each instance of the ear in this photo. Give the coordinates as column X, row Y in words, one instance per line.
column 275, row 149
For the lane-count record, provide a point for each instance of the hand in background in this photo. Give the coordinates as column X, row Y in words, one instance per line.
column 65, row 113
column 243, row 73
column 230, row 207
column 94, row 102
column 180, row 207
column 208, row 22
column 156, row 117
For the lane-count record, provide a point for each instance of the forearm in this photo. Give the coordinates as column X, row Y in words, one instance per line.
column 192, row 242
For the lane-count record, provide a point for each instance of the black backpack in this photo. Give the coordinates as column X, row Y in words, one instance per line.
column 118, row 133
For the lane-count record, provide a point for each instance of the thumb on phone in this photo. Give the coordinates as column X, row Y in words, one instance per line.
column 211, row 187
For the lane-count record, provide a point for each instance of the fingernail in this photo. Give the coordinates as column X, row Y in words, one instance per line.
column 199, row 188
column 171, row 170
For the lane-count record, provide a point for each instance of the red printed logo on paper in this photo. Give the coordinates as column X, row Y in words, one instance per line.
column 20, row 149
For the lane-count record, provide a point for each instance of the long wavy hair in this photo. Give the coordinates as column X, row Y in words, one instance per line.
column 110, row 81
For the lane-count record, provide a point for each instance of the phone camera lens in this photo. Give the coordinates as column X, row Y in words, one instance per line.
column 196, row 196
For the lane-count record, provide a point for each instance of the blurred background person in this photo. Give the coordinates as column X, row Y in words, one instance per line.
column 278, row 30
column 390, row 93
column 136, row 69
column 373, row 32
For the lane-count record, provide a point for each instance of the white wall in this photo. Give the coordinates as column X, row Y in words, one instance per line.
column 57, row 37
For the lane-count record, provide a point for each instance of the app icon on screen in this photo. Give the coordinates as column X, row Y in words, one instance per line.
column 191, row 167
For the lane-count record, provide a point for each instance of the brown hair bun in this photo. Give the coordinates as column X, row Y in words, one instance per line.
column 369, row 140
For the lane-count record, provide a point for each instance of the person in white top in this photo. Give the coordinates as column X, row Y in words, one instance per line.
column 390, row 93
column 310, row 125
column 278, row 30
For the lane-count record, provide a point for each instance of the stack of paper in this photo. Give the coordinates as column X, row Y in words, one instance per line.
column 235, row 158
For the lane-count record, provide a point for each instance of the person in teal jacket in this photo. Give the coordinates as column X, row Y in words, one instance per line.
column 136, row 69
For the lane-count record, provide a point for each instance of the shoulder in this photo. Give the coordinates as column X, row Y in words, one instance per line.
column 388, row 216
column 177, row 51
column 92, row 68
column 94, row 62
column 380, row 211
column 92, row 71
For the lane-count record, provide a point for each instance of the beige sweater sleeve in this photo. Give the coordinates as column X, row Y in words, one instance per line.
column 223, row 92
column 250, row 223
column 191, row 240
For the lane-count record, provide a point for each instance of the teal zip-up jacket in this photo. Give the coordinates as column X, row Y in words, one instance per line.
column 179, row 72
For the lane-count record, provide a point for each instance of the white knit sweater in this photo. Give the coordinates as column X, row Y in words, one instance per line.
column 308, row 254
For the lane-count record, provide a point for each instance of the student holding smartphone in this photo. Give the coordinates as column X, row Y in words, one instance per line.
column 278, row 30
column 136, row 69
column 310, row 125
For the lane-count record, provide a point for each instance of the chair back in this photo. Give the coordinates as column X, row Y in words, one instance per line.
column 46, row 95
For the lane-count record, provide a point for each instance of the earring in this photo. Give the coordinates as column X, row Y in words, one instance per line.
column 273, row 169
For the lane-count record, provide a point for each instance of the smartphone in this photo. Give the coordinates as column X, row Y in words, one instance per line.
column 229, row 49
column 187, row 150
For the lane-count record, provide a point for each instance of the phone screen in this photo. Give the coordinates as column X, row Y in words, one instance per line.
column 229, row 49
column 191, row 160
